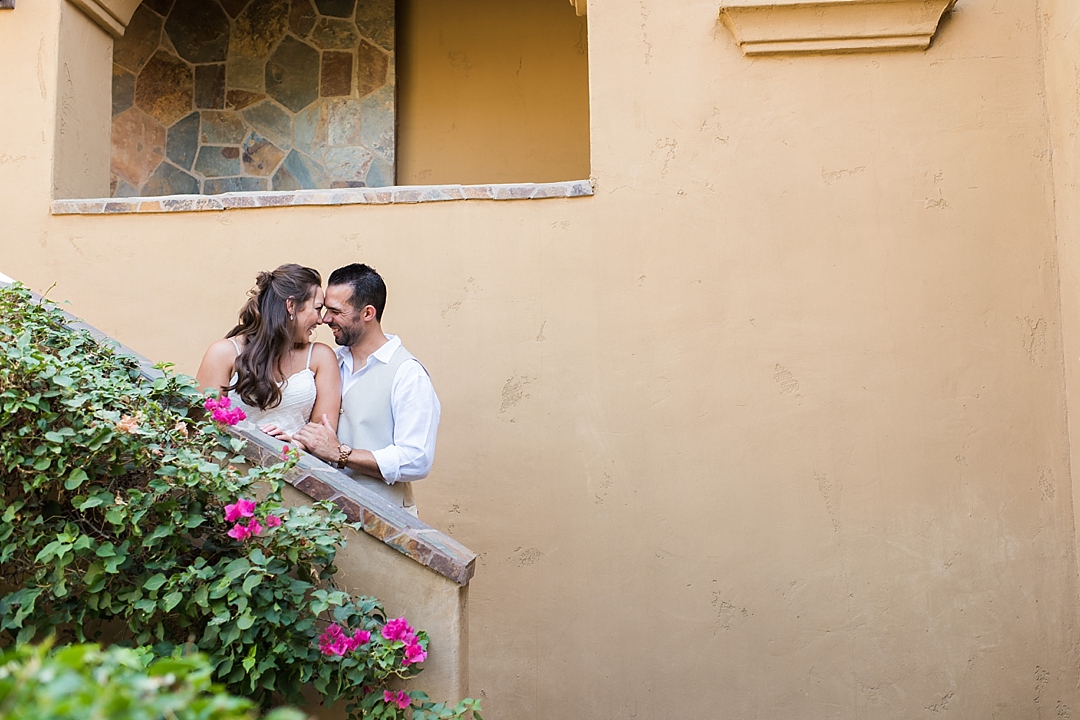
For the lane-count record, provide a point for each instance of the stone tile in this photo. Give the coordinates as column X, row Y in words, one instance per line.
column 123, row 89
column 336, row 76
column 412, row 547
column 377, row 130
column 333, row 34
column 169, row 180
column 138, row 145
column 210, row 86
column 478, row 192
column 271, row 121
column 299, row 172
column 259, row 27
column 194, row 204
column 343, row 184
column 240, row 99
column 381, row 173
column 260, row 156
column 217, row 186
column 375, row 21
column 200, row 31
column 245, row 73
column 121, row 207
column 336, row 8
column 344, row 122
column 218, row 161
column 302, row 17
column 182, row 141
column 310, row 130
column 222, row 128
column 233, row 7
column 161, row 7
column 139, row 41
column 118, row 187
column 348, row 163
column 292, row 74
column 371, row 65
column 165, row 88
column 315, row 488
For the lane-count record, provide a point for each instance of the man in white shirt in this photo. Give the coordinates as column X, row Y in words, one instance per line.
column 389, row 410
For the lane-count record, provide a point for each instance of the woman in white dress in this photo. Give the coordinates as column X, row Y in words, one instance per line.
column 268, row 365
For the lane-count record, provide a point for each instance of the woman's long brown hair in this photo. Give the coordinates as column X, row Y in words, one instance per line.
column 268, row 332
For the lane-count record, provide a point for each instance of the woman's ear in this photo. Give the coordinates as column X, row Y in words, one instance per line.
column 290, row 307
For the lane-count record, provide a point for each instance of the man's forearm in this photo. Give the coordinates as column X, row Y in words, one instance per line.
column 363, row 461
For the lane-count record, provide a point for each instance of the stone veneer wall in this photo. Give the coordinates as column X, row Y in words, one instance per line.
column 214, row 96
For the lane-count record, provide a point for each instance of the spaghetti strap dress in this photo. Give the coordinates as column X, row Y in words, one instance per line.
column 297, row 399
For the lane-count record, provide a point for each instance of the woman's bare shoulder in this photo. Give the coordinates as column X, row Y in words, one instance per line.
column 221, row 350
column 322, row 353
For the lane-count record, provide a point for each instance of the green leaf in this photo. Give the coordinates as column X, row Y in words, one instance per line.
column 154, row 582
column 77, row 477
column 172, row 600
column 251, row 581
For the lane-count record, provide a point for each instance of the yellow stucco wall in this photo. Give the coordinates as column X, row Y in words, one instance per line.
column 492, row 92
column 772, row 426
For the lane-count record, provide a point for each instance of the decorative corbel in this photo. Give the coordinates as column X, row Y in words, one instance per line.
column 781, row 27
column 112, row 15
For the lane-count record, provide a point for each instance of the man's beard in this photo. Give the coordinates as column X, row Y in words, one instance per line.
column 345, row 336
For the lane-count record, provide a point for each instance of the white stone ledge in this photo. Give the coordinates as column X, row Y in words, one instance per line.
column 403, row 194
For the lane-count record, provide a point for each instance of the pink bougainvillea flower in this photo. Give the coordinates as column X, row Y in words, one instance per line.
column 272, row 521
column 239, row 532
column 400, row 698
column 253, row 527
column 414, row 653
column 285, row 453
column 360, row 637
column 333, row 641
column 241, row 508
column 213, row 403
column 396, row 629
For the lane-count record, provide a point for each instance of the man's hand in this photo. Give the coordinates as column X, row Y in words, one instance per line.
column 319, row 439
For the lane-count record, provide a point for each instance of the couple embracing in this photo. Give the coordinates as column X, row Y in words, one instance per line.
column 369, row 409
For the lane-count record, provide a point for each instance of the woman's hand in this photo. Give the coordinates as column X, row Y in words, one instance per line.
column 275, row 432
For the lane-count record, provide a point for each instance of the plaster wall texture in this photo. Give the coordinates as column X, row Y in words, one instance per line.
column 492, row 92
column 1062, row 58
column 774, row 425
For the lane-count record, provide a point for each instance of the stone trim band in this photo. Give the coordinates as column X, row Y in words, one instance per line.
column 404, row 194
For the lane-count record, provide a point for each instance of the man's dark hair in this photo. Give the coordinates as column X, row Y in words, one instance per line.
column 367, row 285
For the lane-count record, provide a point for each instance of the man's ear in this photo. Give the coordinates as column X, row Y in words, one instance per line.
column 368, row 313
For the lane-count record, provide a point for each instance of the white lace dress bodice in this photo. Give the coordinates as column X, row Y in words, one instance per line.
column 297, row 400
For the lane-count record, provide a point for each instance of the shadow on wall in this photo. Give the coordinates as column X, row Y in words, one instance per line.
column 213, row 96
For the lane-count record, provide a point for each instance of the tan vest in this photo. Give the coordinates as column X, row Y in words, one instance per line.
column 367, row 422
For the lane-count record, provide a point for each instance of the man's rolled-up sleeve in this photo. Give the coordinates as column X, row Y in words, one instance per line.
column 416, row 423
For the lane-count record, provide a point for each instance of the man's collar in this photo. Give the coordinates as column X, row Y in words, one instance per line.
column 383, row 354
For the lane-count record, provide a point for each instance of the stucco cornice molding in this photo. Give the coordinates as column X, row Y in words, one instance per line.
column 784, row 27
column 579, row 6
column 112, row 15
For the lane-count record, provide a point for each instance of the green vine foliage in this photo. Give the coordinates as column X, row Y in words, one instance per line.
column 76, row 682
column 113, row 504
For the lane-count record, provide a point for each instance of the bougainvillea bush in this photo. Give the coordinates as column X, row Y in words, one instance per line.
column 124, row 516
